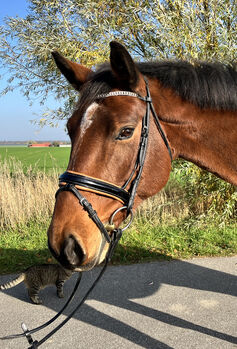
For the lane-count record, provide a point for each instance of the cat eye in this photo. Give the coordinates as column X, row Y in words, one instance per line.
column 125, row 133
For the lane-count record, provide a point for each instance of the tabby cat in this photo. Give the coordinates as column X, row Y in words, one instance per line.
column 38, row 277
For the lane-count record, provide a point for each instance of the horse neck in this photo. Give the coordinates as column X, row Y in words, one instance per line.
column 208, row 138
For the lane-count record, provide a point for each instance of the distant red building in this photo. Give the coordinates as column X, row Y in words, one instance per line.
column 34, row 145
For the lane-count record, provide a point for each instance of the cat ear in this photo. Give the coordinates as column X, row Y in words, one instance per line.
column 122, row 65
column 75, row 73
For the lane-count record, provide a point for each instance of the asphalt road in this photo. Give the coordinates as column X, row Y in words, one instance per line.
column 176, row 304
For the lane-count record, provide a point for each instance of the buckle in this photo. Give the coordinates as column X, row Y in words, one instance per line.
column 116, row 235
column 144, row 132
column 148, row 99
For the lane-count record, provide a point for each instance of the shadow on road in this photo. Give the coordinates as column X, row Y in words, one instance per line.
column 121, row 286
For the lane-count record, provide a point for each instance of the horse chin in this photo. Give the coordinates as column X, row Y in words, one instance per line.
column 103, row 254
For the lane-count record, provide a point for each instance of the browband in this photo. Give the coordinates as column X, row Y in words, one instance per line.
column 94, row 185
column 121, row 93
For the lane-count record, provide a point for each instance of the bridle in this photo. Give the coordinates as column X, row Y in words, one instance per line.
column 73, row 182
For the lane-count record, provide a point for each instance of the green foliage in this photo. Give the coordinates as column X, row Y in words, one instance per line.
column 151, row 29
column 208, row 195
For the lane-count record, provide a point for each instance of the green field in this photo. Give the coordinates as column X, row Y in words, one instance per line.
column 43, row 159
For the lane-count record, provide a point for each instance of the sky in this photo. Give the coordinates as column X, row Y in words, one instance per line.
column 15, row 111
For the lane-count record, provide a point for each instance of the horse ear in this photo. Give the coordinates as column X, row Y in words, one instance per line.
column 75, row 73
column 123, row 65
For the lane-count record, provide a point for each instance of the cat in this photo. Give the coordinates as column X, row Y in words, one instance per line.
column 38, row 277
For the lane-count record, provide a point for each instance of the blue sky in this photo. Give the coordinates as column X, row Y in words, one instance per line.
column 15, row 111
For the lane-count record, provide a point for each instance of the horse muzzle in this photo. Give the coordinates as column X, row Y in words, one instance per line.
column 71, row 255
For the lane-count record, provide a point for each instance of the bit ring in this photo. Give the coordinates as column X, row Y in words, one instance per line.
column 129, row 214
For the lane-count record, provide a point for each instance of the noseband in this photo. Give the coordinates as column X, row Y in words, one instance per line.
column 74, row 181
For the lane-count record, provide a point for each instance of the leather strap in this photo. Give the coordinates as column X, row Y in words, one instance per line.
column 95, row 185
column 87, row 207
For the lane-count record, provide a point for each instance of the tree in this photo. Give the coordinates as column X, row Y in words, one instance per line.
column 151, row 29
column 82, row 30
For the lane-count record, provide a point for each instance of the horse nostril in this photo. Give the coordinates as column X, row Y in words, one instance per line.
column 72, row 252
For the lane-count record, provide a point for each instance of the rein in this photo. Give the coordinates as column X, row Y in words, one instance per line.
column 72, row 181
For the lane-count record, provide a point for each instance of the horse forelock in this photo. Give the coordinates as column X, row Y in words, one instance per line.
column 99, row 82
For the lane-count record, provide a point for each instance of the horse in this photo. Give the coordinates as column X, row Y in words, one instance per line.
column 172, row 109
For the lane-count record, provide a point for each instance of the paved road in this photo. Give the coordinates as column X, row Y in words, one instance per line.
column 176, row 304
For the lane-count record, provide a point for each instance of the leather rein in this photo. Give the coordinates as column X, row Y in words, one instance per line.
column 73, row 182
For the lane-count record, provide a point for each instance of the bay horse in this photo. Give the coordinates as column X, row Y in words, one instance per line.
column 195, row 118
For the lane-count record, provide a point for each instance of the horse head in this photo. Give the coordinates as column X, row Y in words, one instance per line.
column 105, row 135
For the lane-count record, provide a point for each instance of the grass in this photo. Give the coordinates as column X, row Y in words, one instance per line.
column 165, row 227
column 40, row 159
column 23, row 247
column 27, row 245
column 149, row 242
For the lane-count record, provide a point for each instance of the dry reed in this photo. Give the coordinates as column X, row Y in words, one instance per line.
column 165, row 207
column 28, row 196
column 25, row 196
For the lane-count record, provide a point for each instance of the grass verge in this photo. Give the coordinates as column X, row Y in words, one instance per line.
column 25, row 246
column 146, row 243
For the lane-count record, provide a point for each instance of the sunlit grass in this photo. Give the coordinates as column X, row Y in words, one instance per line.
column 23, row 247
column 27, row 245
column 38, row 159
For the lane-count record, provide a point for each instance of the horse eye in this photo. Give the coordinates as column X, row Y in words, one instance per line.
column 125, row 133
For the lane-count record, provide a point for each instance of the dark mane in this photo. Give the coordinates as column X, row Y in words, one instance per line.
column 207, row 85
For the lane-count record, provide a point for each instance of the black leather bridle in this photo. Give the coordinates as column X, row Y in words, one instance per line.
column 73, row 182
